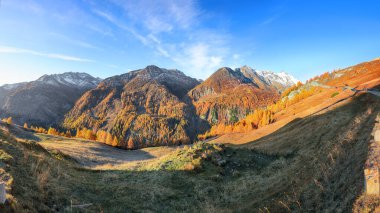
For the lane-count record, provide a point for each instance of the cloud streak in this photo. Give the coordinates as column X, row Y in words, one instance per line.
column 74, row 41
column 199, row 51
column 271, row 19
column 120, row 25
column 161, row 16
column 15, row 50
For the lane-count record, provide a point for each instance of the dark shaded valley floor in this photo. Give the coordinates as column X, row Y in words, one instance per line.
column 311, row 164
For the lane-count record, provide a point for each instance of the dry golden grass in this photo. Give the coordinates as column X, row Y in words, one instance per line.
column 311, row 164
column 95, row 155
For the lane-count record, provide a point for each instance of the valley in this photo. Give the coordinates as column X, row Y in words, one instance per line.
column 230, row 179
column 310, row 158
column 93, row 155
column 189, row 106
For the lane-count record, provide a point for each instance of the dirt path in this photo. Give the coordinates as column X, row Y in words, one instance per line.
column 96, row 155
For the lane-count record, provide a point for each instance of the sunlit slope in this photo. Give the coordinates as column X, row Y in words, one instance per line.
column 96, row 155
column 330, row 94
column 313, row 163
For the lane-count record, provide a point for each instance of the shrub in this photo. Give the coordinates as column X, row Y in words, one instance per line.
column 8, row 121
column 189, row 167
column 334, row 94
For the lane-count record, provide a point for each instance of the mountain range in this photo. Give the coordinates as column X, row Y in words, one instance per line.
column 315, row 149
column 152, row 106
column 46, row 100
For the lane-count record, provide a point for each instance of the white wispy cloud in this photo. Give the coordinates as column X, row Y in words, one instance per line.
column 271, row 19
column 27, row 6
column 236, row 56
column 162, row 52
column 163, row 15
column 101, row 30
column 200, row 59
column 105, row 15
column 120, row 25
column 197, row 50
column 74, row 41
column 15, row 50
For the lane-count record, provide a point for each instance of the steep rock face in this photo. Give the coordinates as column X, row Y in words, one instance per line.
column 229, row 95
column 46, row 100
column 148, row 105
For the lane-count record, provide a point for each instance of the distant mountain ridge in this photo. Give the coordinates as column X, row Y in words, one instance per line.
column 45, row 100
column 75, row 79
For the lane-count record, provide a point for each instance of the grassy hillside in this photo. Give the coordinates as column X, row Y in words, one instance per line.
column 311, row 164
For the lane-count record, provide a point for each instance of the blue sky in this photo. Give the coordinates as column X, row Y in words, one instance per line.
column 110, row 37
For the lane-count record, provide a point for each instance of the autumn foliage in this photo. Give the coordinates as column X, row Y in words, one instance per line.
column 104, row 137
column 39, row 129
column 8, row 120
column 259, row 118
column 263, row 117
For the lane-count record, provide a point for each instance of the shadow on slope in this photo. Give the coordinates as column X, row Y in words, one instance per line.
column 329, row 151
column 19, row 131
column 312, row 164
column 40, row 182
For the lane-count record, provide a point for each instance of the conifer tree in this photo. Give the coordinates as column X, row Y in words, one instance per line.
column 131, row 143
column 52, row 131
column 115, row 141
column 89, row 134
column 109, row 139
column 78, row 134
column 68, row 134
column 9, row 121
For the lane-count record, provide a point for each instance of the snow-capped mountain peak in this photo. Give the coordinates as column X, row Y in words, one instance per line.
column 70, row 79
column 283, row 78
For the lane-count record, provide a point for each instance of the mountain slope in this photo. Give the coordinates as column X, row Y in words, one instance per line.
column 287, row 171
column 312, row 163
column 330, row 89
column 228, row 95
column 46, row 100
column 146, row 105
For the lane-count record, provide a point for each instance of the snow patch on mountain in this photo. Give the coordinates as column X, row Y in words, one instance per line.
column 281, row 77
column 70, row 79
column 12, row 86
column 269, row 77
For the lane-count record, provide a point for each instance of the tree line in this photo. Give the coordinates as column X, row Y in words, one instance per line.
column 265, row 116
column 82, row 133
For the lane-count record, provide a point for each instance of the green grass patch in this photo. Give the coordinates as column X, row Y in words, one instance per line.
column 334, row 94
